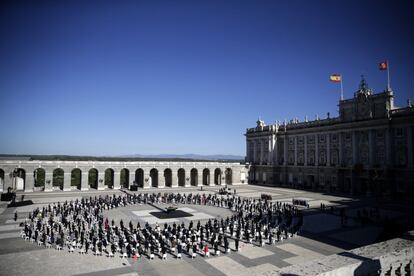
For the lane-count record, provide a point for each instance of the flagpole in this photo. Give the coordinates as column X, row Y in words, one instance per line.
column 388, row 76
column 342, row 90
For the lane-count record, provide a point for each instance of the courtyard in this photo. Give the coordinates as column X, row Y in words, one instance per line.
column 322, row 234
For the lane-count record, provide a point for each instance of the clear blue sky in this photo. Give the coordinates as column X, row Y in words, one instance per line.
column 151, row 77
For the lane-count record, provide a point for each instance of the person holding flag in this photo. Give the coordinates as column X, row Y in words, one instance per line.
column 338, row 78
column 384, row 66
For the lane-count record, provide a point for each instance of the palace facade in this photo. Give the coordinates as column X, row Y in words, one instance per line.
column 366, row 150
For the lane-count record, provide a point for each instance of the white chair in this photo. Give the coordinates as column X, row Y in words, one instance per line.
column 71, row 249
column 218, row 253
column 124, row 256
column 39, row 243
column 110, row 254
column 152, row 256
column 179, row 256
column 164, row 256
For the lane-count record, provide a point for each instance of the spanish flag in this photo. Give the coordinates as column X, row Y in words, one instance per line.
column 335, row 78
column 383, row 65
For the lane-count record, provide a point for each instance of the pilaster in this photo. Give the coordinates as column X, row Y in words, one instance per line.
column 174, row 178
column 410, row 146
column 317, row 150
column 285, row 151
column 29, row 182
column 48, row 181
column 147, row 179
column 67, row 177
column 328, row 149
column 117, row 180
column 296, row 151
column 199, row 178
column 101, row 180
column 371, row 145
column 354, row 148
column 161, row 179
column 84, row 181
column 306, row 150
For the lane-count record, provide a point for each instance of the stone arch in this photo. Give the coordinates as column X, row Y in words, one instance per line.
column 181, row 177
column 124, row 178
column 58, row 178
column 194, row 177
column 76, row 178
column 206, row 177
column 229, row 176
column 154, row 177
column 217, row 176
column 168, row 177
column 109, row 178
column 39, row 177
column 139, row 178
column 93, row 178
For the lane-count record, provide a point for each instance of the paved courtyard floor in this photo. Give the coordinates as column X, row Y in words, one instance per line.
column 322, row 235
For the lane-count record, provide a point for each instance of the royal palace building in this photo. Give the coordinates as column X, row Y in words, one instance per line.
column 366, row 150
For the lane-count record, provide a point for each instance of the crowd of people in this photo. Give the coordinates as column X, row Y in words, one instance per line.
column 80, row 225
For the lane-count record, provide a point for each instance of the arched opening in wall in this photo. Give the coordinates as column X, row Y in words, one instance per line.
column 1, row 180
column 76, row 178
column 181, row 177
column 168, row 177
column 217, row 176
column 19, row 179
column 194, row 176
column 229, row 176
column 206, row 177
column 93, row 178
column 57, row 181
column 124, row 181
column 154, row 178
column 139, row 178
column 39, row 178
column 109, row 178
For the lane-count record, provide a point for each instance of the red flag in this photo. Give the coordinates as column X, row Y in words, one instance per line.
column 383, row 65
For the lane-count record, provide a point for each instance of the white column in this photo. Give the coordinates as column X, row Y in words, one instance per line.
column 410, row 146
column 67, row 177
column 317, row 150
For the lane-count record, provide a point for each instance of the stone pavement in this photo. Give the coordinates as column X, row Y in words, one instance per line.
column 322, row 235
